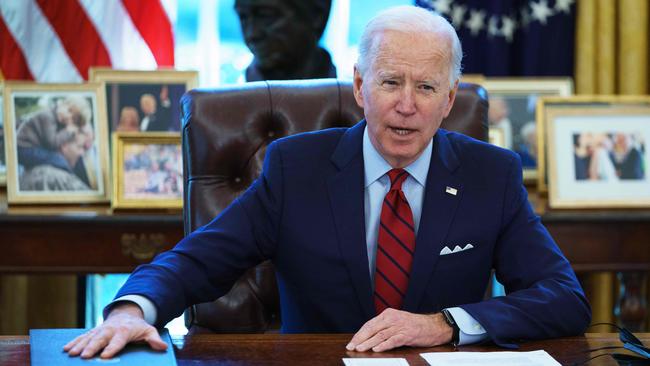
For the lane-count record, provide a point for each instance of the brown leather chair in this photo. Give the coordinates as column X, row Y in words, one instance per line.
column 225, row 134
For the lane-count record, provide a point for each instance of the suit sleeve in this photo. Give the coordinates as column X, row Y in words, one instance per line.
column 544, row 298
column 205, row 264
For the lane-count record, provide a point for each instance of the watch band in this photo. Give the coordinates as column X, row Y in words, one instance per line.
column 449, row 319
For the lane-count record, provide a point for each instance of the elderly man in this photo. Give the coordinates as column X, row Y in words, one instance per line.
column 389, row 229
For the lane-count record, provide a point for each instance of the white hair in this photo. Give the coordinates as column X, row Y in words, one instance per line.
column 410, row 19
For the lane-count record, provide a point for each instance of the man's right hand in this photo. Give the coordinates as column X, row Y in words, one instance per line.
column 124, row 324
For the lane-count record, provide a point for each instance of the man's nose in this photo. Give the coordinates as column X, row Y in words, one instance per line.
column 406, row 104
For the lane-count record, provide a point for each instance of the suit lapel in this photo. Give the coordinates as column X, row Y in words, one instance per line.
column 438, row 210
column 346, row 193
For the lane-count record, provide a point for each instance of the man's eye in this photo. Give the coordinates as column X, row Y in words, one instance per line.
column 427, row 88
column 389, row 82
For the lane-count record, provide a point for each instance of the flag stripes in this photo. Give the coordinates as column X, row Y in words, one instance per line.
column 59, row 40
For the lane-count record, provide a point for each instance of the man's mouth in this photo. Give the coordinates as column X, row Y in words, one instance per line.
column 402, row 131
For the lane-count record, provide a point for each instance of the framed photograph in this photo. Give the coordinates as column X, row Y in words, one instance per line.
column 147, row 170
column 496, row 136
column 512, row 110
column 3, row 158
column 597, row 151
column 144, row 101
column 472, row 79
column 56, row 143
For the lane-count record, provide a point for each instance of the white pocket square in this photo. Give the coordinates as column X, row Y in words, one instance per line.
column 457, row 249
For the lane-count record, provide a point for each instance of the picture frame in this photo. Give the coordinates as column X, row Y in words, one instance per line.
column 3, row 154
column 146, row 101
column 478, row 79
column 147, row 171
column 496, row 136
column 56, row 144
column 512, row 110
column 597, row 151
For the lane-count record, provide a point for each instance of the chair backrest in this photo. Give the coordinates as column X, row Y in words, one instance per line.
column 225, row 134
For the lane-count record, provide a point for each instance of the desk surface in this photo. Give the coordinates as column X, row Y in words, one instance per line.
column 323, row 349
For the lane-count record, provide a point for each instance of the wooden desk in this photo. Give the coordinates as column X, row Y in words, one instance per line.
column 326, row 349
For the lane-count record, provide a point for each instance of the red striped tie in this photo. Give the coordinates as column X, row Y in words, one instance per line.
column 395, row 246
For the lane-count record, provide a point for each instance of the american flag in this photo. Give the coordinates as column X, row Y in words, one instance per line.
column 512, row 37
column 59, row 40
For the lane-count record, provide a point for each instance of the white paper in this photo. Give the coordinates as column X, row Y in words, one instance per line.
column 533, row 358
column 375, row 362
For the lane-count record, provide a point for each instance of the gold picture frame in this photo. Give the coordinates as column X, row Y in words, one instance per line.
column 40, row 141
column 597, row 155
column 147, row 171
column 126, row 91
column 472, row 79
column 512, row 110
column 3, row 151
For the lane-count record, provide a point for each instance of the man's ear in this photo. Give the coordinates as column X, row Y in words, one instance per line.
column 357, row 86
column 452, row 98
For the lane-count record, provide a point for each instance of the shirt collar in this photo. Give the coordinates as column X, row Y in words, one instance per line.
column 375, row 166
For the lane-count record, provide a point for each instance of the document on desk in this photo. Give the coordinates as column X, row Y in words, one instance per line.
column 46, row 347
column 375, row 362
column 533, row 358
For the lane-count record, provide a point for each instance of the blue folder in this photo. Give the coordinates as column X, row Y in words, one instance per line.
column 47, row 349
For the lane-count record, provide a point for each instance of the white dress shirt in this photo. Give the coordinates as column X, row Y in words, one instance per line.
column 377, row 185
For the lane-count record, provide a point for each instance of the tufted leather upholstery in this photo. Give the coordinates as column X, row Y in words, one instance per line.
column 225, row 134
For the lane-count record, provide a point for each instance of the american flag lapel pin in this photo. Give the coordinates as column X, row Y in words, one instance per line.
column 452, row 191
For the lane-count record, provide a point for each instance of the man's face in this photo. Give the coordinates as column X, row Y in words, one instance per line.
column 274, row 32
column 148, row 105
column 405, row 93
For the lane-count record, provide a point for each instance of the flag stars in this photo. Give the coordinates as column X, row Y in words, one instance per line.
column 563, row 6
column 442, row 6
column 493, row 28
column 540, row 11
column 476, row 21
column 508, row 28
column 458, row 15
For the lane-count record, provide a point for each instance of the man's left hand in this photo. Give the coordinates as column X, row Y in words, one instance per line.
column 395, row 328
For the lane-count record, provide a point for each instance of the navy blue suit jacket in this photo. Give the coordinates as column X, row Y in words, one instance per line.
column 306, row 213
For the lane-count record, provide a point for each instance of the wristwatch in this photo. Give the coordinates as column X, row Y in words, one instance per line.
column 449, row 319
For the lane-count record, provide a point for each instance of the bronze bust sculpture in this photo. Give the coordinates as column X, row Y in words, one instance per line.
column 283, row 35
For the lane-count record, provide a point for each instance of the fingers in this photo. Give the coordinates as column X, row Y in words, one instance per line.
column 115, row 345
column 153, row 339
column 74, row 342
column 378, row 338
column 100, row 340
column 79, row 343
column 369, row 330
column 394, row 341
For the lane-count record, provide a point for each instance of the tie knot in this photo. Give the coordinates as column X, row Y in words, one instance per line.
column 397, row 177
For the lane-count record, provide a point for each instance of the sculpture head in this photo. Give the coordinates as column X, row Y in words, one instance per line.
column 282, row 33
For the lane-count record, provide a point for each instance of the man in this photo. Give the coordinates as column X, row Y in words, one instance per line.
column 155, row 118
column 283, row 35
column 338, row 211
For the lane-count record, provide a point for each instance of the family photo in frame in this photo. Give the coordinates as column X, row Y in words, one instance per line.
column 597, row 154
column 148, row 171
column 56, row 143
column 512, row 113
column 144, row 101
